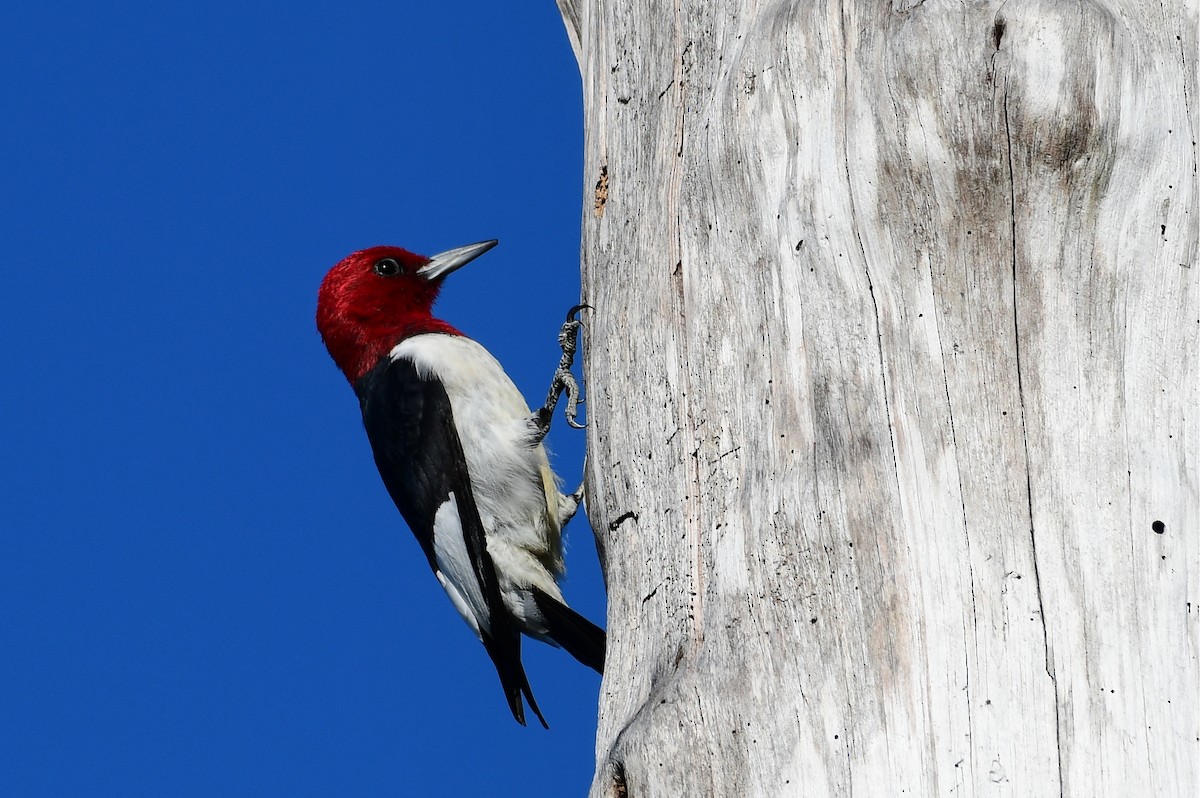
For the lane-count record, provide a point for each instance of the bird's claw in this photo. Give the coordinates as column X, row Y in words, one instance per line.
column 564, row 381
column 574, row 400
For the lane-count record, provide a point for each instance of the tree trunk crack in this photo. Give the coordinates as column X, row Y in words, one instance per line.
column 966, row 539
column 691, row 517
column 962, row 501
column 1012, row 188
column 862, row 251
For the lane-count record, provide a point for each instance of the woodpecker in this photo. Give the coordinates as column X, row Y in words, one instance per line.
column 460, row 453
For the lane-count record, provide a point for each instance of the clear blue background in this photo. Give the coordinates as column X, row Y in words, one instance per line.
column 204, row 589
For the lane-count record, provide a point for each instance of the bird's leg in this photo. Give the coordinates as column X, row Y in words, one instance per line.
column 564, row 380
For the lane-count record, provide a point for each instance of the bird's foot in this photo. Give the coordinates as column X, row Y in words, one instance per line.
column 564, row 381
column 570, row 505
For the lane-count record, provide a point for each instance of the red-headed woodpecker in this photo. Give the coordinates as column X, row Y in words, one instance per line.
column 460, row 453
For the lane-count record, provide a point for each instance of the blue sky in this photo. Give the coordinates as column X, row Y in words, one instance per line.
column 204, row 589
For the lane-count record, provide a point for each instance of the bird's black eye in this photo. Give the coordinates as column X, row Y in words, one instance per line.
column 387, row 267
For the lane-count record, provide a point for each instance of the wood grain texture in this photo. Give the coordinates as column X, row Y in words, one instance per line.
column 893, row 394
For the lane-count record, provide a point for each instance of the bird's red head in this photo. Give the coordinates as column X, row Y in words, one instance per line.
column 377, row 297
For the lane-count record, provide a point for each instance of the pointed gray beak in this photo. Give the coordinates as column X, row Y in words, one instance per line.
column 445, row 262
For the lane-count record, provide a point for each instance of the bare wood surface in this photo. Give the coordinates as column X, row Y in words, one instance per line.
column 893, row 395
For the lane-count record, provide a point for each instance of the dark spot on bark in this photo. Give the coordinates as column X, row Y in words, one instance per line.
column 612, row 525
column 998, row 32
column 601, row 191
column 623, row 100
column 1159, row 527
column 618, row 787
column 800, row 244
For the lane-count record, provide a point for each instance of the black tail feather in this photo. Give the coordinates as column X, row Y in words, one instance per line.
column 582, row 639
column 513, row 680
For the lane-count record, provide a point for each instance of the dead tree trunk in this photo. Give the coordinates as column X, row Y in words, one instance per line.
column 893, row 393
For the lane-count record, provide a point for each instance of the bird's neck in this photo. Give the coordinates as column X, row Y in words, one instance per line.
column 367, row 345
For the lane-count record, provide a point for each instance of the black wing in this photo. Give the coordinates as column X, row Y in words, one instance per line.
column 410, row 425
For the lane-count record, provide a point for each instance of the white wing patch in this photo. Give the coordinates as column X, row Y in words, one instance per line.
column 454, row 569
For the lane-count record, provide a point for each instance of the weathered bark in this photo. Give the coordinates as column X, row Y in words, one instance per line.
column 893, row 395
